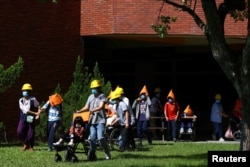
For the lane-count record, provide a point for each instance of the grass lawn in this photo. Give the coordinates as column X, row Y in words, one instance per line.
column 159, row 154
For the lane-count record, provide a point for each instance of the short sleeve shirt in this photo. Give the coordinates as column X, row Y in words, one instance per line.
column 94, row 102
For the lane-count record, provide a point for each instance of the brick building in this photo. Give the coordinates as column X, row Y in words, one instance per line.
column 117, row 35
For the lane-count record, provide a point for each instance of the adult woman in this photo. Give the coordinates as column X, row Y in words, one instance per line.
column 171, row 112
column 28, row 113
column 96, row 106
column 141, row 106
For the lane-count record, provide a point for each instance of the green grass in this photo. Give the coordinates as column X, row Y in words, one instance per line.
column 159, row 154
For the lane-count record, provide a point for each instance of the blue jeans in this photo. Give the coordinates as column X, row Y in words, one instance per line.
column 51, row 131
column 172, row 128
column 142, row 130
column 97, row 133
column 217, row 129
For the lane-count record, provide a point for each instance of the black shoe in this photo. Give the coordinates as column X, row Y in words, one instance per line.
column 91, row 156
column 121, row 149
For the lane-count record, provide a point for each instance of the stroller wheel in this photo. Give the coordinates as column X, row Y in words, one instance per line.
column 58, row 158
column 68, row 155
column 74, row 158
column 237, row 135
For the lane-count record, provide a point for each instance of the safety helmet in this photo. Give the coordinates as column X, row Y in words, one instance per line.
column 217, row 97
column 55, row 99
column 114, row 95
column 119, row 90
column 171, row 94
column 188, row 110
column 95, row 83
column 157, row 90
column 26, row 86
column 144, row 90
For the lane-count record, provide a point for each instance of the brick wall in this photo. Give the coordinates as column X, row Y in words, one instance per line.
column 135, row 17
column 47, row 37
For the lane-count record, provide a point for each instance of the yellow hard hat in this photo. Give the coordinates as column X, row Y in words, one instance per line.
column 217, row 97
column 26, row 86
column 119, row 90
column 157, row 90
column 115, row 95
column 95, row 83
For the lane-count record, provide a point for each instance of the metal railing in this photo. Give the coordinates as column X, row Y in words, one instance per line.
column 162, row 127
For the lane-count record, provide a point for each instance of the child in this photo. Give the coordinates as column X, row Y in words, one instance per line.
column 76, row 132
column 187, row 118
column 111, row 115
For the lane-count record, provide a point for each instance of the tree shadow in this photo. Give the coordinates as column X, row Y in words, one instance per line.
column 182, row 159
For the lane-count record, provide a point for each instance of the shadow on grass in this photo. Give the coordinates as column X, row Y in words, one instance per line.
column 199, row 165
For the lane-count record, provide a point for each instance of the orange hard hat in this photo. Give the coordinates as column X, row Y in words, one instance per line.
column 144, row 90
column 55, row 99
column 188, row 110
column 171, row 94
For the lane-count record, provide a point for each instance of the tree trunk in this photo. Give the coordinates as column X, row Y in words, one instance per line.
column 235, row 67
column 245, row 122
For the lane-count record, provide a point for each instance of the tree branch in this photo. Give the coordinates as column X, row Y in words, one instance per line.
column 184, row 8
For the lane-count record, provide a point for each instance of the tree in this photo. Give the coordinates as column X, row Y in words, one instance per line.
column 78, row 92
column 75, row 98
column 235, row 67
column 9, row 76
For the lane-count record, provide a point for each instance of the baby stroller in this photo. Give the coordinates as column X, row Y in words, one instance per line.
column 80, row 121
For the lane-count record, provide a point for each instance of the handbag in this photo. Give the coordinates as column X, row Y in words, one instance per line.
column 30, row 118
column 228, row 133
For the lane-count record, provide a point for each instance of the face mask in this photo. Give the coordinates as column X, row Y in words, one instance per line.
column 25, row 93
column 94, row 91
column 143, row 96
column 217, row 101
column 170, row 100
column 112, row 102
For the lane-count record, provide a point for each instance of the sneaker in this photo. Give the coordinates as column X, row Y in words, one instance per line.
column 182, row 130
column 49, row 149
column 213, row 137
column 174, row 139
column 57, row 143
column 107, row 156
column 70, row 143
column 221, row 139
column 190, row 130
column 91, row 156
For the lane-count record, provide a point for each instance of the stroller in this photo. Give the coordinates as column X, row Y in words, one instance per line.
column 233, row 130
column 75, row 136
column 234, row 126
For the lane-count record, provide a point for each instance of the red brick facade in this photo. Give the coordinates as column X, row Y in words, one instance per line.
column 135, row 17
column 47, row 37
